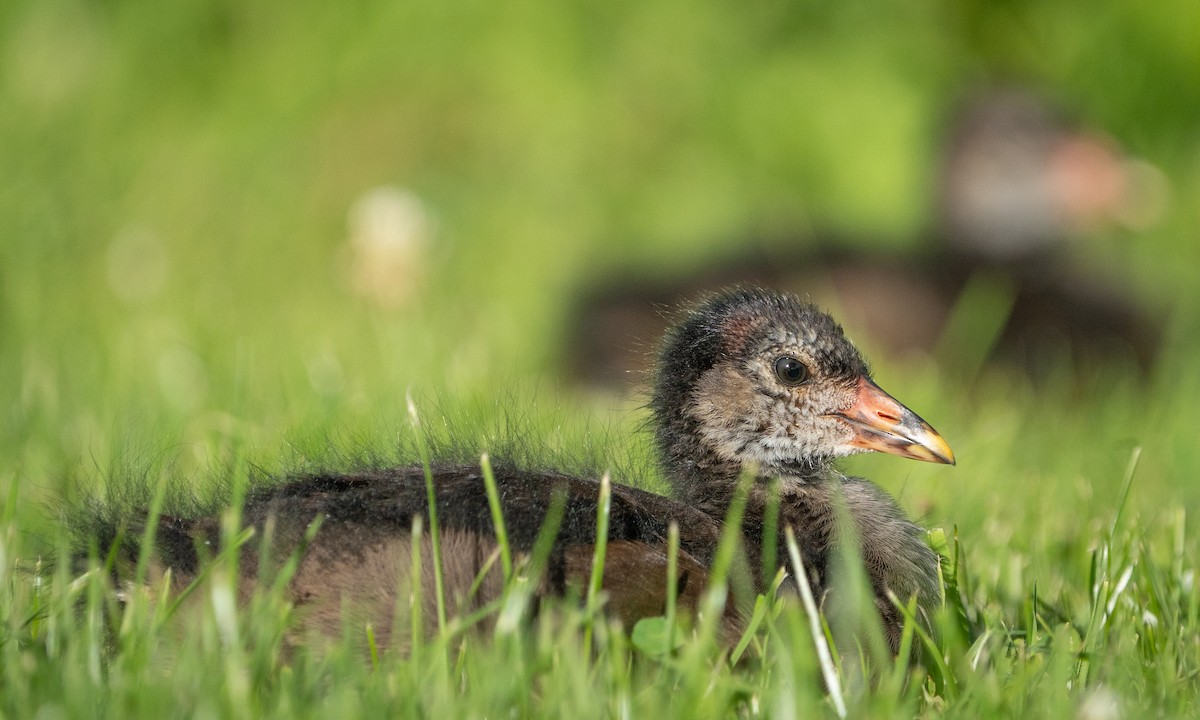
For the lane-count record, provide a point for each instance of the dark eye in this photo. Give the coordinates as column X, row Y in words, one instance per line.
column 791, row 371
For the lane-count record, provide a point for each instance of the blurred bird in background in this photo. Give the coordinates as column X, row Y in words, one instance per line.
column 999, row 279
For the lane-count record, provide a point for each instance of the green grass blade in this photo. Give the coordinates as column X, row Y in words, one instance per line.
column 599, row 552
column 519, row 595
column 824, row 657
column 493, row 495
column 146, row 548
column 770, row 533
column 416, row 586
column 672, row 584
column 431, row 500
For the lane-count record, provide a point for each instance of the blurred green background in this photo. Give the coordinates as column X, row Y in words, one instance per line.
column 176, row 280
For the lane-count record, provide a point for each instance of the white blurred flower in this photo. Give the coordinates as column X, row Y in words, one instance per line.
column 390, row 231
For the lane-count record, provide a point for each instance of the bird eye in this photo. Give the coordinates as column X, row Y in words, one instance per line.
column 791, row 371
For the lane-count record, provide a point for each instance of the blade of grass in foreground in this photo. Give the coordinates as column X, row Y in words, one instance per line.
column 761, row 607
column 672, row 584
column 894, row 681
column 146, row 551
column 207, row 569
column 824, row 656
column 417, row 627
column 431, row 499
column 493, row 495
column 944, row 679
column 598, row 555
column 715, row 599
column 522, row 588
column 696, row 661
column 1104, row 590
column 770, row 533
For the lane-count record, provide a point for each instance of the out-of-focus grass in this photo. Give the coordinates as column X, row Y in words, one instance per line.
column 173, row 294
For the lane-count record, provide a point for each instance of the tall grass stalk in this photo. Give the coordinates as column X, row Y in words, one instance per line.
column 431, row 501
column 599, row 552
column 493, row 495
column 516, row 600
column 672, row 584
column 416, row 588
column 829, row 671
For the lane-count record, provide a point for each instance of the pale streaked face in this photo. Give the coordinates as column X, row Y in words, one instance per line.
column 789, row 390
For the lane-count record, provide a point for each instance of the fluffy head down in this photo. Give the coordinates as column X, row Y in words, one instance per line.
column 754, row 378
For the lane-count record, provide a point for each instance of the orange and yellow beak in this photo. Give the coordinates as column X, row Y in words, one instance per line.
column 881, row 423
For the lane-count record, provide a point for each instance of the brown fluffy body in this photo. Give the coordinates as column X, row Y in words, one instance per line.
column 360, row 560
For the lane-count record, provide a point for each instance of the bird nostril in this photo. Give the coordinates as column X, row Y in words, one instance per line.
column 887, row 416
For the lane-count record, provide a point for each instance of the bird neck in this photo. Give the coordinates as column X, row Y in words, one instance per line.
column 773, row 502
column 705, row 479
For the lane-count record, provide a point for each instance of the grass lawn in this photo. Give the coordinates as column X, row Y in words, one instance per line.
column 177, row 307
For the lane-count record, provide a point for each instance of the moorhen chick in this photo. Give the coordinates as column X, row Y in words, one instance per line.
column 749, row 381
column 757, row 381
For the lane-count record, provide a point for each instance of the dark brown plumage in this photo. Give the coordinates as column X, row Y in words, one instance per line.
column 749, row 380
column 362, row 554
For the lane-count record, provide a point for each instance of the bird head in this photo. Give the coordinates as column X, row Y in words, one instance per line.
column 752, row 378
